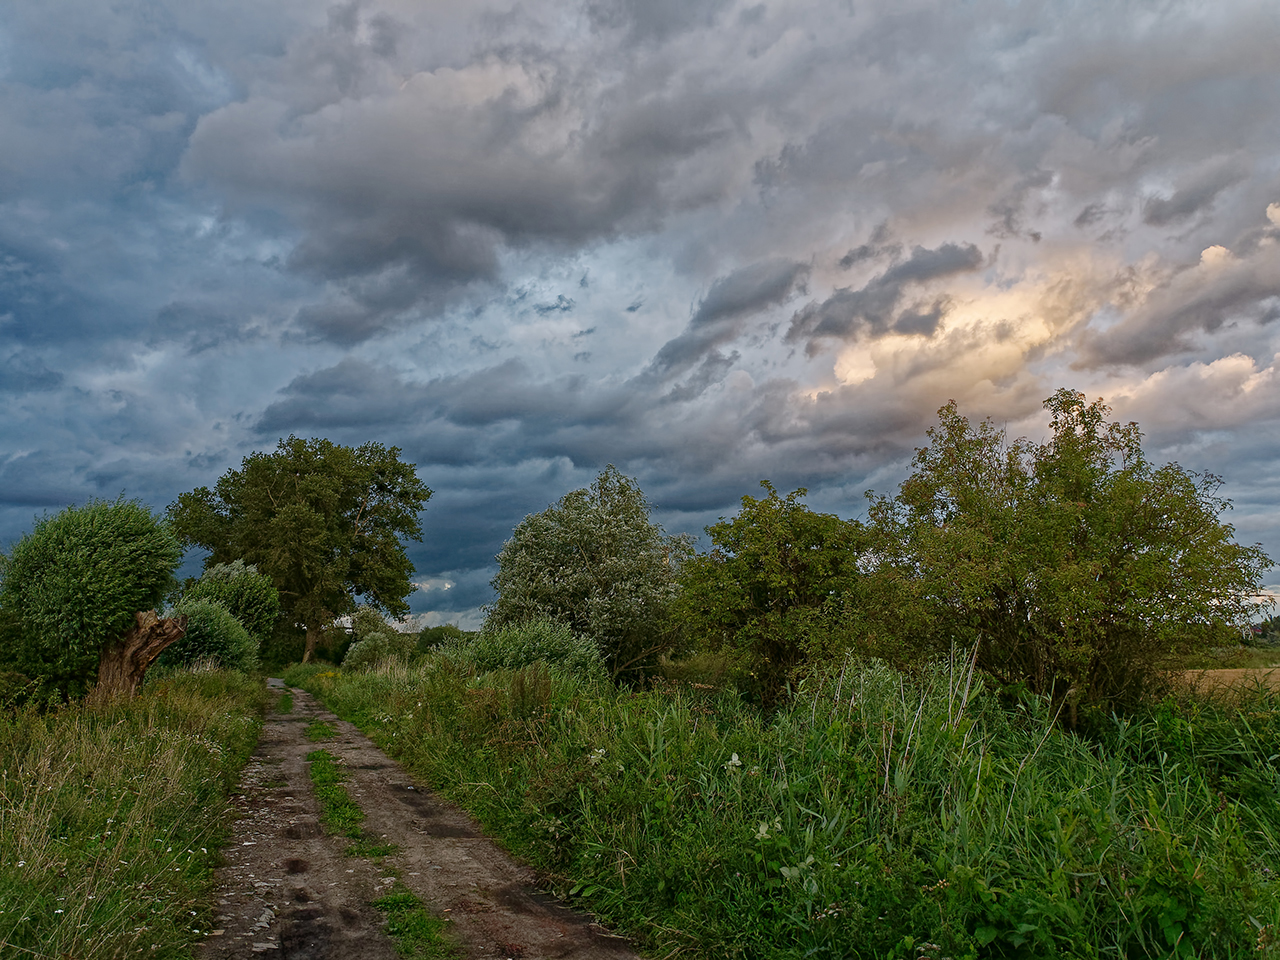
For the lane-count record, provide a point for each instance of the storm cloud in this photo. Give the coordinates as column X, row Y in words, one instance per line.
column 709, row 242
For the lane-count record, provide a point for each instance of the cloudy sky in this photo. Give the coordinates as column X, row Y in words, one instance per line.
column 709, row 241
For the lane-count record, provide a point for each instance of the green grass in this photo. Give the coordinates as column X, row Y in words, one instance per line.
column 416, row 933
column 371, row 849
column 338, row 812
column 318, row 730
column 285, row 703
column 111, row 818
column 876, row 815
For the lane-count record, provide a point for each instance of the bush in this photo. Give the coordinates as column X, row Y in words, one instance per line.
column 71, row 587
column 535, row 641
column 444, row 635
column 375, row 641
column 214, row 634
column 248, row 594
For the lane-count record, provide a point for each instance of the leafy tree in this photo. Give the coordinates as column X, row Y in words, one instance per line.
column 323, row 521
column 248, row 595
column 596, row 563
column 775, row 585
column 1076, row 566
column 79, row 594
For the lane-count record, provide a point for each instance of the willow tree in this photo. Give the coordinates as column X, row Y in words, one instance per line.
column 325, row 522
column 78, row 597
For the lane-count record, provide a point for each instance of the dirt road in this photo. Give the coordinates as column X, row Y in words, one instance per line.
column 288, row 890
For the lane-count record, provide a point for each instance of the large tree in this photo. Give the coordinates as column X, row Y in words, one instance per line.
column 78, row 597
column 1075, row 565
column 778, row 580
column 598, row 564
column 325, row 522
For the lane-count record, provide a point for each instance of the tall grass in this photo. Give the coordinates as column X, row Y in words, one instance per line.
column 110, row 817
column 879, row 815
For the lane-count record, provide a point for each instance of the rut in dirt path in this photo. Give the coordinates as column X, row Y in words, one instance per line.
column 288, row 890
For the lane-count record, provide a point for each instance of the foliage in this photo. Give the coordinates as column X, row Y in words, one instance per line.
column 597, row 563
column 446, row 634
column 323, row 521
column 375, row 641
column 775, row 585
column 248, row 594
column 110, row 819
column 874, row 815
column 213, row 634
column 72, row 586
column 535, row 641
column 1076, row 566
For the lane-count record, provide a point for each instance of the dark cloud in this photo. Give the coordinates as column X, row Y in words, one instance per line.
column 474, row 231
column 847, row 312
column 23, row 372
column 1200, row 191
column 728, row 305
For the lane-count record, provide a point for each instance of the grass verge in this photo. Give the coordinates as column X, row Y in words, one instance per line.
column 879, row 815
column 110, row 817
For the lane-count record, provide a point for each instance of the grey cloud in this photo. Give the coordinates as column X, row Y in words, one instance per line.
column 654, row 20
column 723, row 312
column 846, row 312
column 22, row 372
column 1196, row 194
column 1199, row 299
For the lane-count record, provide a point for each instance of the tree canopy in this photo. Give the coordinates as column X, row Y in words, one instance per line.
column 73, row 588
column 777, row 580
column 597, row 563
column 325, row 522
column 1075, row 565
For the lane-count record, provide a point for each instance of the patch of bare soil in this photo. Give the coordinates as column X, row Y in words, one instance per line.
column 287, row 890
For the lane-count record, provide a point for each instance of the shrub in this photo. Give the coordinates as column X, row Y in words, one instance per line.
column 375, row 641
column 248, row 594
column 72, row 586
column 213, row 633
column 446, row 634
column 535, row 641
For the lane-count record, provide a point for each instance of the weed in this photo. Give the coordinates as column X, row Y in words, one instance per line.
column 416, row 933
column 285, row 703
column 338, row 812
column 318, row 730
column 371, row 849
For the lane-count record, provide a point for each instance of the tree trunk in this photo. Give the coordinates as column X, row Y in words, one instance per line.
column 314, row 631
column 124, row 662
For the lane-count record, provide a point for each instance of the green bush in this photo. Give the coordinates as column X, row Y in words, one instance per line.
column 213, row 634
column 447, row 634
column 248, row 594
column 535, row 641
column 72, row 586
column 375, row 641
